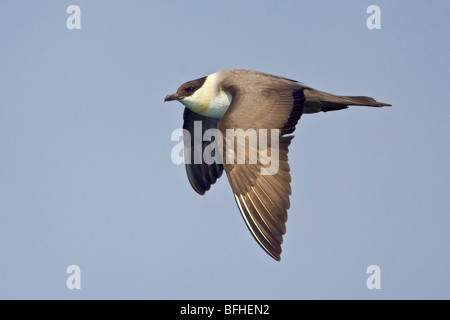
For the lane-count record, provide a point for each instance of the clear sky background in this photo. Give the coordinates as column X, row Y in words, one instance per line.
column 86, row 176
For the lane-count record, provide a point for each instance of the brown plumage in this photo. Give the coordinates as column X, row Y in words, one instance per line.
column 259, row 101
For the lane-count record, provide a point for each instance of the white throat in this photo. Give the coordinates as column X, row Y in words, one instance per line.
column 210, row 100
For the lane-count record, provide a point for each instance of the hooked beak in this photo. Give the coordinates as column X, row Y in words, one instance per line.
column 172, row 97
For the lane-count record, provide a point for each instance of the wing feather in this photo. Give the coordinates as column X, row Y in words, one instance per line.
column 201, row 175
column 263, row 200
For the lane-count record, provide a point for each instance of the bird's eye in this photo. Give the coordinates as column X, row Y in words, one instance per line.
column 190, row 89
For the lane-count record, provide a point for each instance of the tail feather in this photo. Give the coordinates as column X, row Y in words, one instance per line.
column 317, row 101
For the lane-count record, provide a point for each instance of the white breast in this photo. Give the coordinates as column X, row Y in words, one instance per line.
column 210, row 100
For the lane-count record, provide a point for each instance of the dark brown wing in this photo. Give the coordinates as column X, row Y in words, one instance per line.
column 200, row 174
column 263, row 199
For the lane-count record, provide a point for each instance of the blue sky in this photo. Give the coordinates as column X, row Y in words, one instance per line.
column 86, row 176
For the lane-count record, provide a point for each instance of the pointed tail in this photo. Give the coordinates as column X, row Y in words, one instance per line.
column 317, row 101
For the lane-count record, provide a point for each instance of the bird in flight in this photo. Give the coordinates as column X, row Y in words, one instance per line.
column 241, row 101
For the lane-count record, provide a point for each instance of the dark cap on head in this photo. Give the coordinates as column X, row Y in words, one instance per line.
column 186, row 89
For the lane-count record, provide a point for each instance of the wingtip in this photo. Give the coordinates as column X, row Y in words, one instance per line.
column 275, row 255
column 199, row 191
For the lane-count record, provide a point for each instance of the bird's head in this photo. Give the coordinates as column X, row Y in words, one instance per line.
column 193, row 94
column 204, row 96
